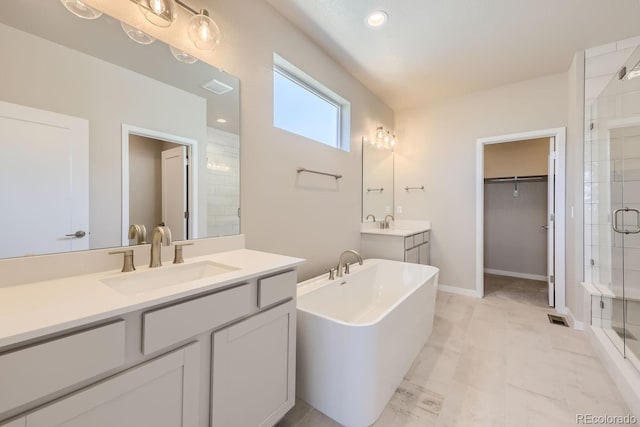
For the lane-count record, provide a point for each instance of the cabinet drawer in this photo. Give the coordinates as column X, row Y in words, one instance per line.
column 277, row 288
column 408, row 242
column 418, row 239
column 33, row 372
column 170, row 325
column 425, row 237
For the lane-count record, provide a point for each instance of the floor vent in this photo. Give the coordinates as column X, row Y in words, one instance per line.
column 558, row 320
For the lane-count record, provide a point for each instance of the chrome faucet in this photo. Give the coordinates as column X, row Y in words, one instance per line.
column 161, row 235
column 372, row 216
column 343, row 266
column 386, row 223
column 138, row 232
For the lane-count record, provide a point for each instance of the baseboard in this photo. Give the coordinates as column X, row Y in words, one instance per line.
column 514, row 274
column 625, row 376
column 460, row 291
column 576, row 323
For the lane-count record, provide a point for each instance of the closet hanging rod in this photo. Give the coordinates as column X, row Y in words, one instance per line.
column 336, row 176
column 517, row 179
column 369, row 190
column 407, row 188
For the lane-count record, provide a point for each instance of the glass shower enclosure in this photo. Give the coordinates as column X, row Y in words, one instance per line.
column 612, row 208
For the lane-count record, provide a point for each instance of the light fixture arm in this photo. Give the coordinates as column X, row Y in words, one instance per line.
column 187, row 7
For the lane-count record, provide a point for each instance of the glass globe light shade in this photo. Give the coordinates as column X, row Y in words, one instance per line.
column 80, row 9
column 203, row 31
column 137, row 35
column 161, row 13
column 182, row 56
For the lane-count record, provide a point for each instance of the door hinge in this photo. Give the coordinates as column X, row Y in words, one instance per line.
column 554, row 155
column 592, row 262
column 552, row 217
column 601, row 304
column 552, row 279
column 238, row 212
column 591, row 126
column 186, row 215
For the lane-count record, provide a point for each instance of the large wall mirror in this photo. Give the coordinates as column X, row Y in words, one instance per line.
column 377, row 181
column 98, row 133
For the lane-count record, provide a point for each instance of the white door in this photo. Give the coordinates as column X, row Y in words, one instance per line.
column 174, row 192
column 551, row 208
column 44, row 171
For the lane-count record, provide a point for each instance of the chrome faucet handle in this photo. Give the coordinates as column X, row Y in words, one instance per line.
column 178, row 258
column 332, row 273
column 346, row 268
column 128, row 259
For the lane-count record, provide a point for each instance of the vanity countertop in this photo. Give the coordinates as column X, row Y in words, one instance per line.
column 400, row 228
column 34, row 310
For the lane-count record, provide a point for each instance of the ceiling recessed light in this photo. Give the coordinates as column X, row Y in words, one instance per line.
column 377, row 18
column 221, row 121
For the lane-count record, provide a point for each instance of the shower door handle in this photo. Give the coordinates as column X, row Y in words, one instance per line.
column 623, row 231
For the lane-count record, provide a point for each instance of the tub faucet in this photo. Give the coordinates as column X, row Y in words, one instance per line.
column 161, row 235
column 386, row 223
column 343, row 266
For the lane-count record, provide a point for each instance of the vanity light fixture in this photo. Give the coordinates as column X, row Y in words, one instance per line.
column 377, row 18
column 203, row 32
column 182, row 56
column 137, row 35
column 81, row 10
column 382, row 139
column 161, row 13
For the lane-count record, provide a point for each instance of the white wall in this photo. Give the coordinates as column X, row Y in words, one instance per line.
column 574, row 195
column 438, row 149
column 311, row 218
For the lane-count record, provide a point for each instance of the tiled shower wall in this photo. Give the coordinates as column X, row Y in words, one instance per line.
column 601, row 64
column 223, row 174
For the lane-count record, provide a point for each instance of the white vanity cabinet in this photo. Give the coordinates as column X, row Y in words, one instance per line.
column 159, row 393
column 222, row 358
column 406, row 247
column 253, row 369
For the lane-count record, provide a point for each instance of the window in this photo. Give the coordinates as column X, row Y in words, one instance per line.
column 303, row 106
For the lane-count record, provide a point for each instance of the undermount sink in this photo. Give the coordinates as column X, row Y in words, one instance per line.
column 144, row 281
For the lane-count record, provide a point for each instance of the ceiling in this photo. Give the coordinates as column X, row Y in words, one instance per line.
column 431, row 50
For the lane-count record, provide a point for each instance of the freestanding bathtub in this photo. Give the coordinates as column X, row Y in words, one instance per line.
column 359, row 334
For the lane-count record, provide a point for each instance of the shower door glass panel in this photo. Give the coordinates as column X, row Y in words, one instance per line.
column 612, row 206
column 625, row 154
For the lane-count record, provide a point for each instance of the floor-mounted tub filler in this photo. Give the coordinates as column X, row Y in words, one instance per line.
column 359, row 334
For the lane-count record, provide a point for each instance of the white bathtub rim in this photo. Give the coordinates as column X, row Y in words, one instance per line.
column 367, row 263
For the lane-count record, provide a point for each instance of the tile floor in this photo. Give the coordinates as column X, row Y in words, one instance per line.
column 493, row 362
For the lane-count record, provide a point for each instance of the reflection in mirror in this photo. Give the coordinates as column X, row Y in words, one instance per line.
column 377, row 181
column 86, row 114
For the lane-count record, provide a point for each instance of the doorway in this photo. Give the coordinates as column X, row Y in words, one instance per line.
column 520, row 193
column 158, row 183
